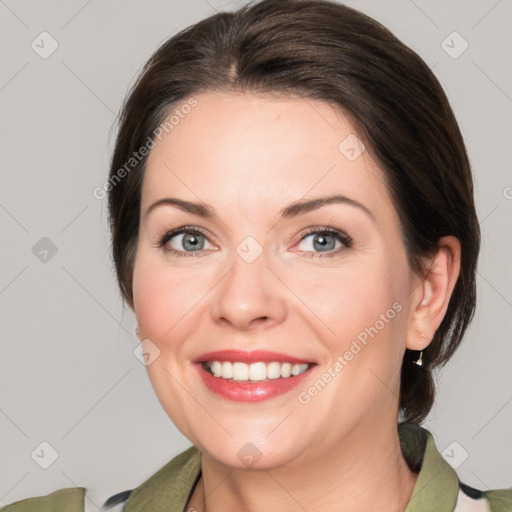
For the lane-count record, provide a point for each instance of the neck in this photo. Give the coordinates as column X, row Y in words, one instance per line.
column 366, row 472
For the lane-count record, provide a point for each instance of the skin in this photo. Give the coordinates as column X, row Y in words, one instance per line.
column 249, row 156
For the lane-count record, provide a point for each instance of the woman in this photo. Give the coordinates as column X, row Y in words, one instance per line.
column 300, row 250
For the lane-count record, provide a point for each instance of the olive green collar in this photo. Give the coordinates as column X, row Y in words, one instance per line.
column 436, row 489
column 437, row 486
column 169, row 489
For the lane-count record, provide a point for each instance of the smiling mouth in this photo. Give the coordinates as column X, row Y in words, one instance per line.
column 253, row 372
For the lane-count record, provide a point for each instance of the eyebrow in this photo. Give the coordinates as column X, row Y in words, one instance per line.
column 292, row 210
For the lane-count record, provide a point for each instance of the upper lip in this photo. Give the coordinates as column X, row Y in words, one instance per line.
column 252, row 356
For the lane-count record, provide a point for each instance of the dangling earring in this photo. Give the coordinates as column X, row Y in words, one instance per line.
column 137, row 333
column 419, row 361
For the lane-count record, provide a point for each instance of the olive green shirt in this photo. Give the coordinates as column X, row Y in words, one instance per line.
column 437, row 489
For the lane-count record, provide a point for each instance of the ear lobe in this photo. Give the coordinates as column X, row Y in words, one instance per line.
column 432, row 296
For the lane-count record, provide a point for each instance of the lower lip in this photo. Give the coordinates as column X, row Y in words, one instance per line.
column 243, row 391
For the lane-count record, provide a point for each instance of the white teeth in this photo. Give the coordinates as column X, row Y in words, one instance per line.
column 217, row 369
column 286, row 370
column 273, row 370
column 227, row 370
column 240, row 371
column 255, row 371
column 296, row 369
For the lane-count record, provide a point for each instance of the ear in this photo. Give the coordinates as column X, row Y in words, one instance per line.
column 431, row 295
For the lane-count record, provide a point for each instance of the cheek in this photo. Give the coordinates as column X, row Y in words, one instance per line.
column 363, row 308
column 350, row 299
column 148, row 299
column 155, row 298
column 166, row 299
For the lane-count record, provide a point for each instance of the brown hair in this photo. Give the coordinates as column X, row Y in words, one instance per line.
column 320, row 49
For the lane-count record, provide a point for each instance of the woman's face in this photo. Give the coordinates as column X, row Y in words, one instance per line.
column 260, row 275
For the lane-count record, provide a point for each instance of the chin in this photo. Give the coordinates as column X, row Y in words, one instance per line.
column 253, row 451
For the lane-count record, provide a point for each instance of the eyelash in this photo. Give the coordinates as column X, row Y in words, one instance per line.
column 345, row 239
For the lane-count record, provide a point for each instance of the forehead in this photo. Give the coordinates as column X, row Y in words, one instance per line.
column 262, row 149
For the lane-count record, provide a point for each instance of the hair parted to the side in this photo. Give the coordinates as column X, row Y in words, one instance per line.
column 321, row 49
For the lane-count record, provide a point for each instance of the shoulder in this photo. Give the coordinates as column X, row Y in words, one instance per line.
column 439, row 484
column 500, row 500
column 72, row 499
column 170, row 484
column 470, row 499
column 167, row 489
column 66, row 500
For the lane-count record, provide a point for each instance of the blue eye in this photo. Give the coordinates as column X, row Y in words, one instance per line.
column 192, row 242
column 324, row 240
column 192, row 239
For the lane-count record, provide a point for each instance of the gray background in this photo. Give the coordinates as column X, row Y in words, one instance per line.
column 68, row 373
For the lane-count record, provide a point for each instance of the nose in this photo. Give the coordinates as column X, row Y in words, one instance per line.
column 248, row 296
